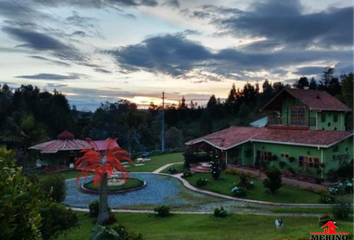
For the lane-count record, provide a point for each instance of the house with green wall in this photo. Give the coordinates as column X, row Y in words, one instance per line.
column 305, row 132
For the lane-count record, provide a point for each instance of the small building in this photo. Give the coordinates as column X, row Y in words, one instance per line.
column 305, row 132
column 61, row 152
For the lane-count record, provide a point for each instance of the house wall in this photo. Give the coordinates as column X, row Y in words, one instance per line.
column 335, row 155
column 329, row 123
column 286, row 109
column 289, row 151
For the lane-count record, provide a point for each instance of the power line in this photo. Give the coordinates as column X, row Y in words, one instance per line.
column 34, row 16
column 59, row 18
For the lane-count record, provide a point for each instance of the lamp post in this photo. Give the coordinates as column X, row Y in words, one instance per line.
column 163, row 123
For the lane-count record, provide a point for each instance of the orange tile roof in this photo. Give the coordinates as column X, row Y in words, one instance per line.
column 234, row 136
column 314, row 99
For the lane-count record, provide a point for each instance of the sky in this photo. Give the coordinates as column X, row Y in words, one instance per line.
column 95, row 51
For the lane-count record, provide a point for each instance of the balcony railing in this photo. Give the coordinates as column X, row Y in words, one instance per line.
column 305, row 122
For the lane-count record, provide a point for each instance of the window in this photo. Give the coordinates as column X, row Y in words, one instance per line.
column 264, row 155
column 297, row 116
column 323, row 117
column 335, row 117
column 306, row 161
column 284, row 155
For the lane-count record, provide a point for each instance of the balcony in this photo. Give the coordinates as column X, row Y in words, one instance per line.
column 301, row 122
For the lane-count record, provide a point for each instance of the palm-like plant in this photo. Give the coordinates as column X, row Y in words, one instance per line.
column 103, row 163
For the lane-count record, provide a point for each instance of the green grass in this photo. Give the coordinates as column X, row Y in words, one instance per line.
column 131, row 183
column 300, row 210
column 284, row 195
column 157, row 162
column 206, row 227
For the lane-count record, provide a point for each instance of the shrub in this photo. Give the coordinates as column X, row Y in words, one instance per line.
column 55, row 219
column 239, row 191
column 162, row 211
column 115, row 232
column 187, row 174
column 342, row 207
column 202, row 182
column 220, row 212
column 94, row 208
column 124, row 234
column 326, row 198
column 231, row 171
column 273, row 181
column 19, row 200
column 172, row 170
column 291, row 159
column 215, row 166
column 54, row 185
column 282, row 164
column 244, row 182
column 319, row 180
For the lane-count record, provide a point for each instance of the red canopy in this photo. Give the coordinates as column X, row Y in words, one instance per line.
column 65, row 142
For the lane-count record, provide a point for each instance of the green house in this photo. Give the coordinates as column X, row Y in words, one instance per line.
column 305, row 133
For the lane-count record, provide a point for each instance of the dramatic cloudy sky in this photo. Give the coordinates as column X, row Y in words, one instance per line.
column 105, row 50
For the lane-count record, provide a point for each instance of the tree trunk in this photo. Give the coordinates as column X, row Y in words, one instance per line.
column 103, row 205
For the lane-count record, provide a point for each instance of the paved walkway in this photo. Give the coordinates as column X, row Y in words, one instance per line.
column 165, row 166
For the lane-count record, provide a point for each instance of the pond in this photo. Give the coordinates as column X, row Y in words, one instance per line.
column 160, row 190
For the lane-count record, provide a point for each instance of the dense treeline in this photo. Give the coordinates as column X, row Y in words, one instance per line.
column 29, row 116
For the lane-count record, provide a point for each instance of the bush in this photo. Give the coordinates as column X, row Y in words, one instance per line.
column 220, row 212
column 55, row 219
column 202, row 182
column 115, row 232
column 19, row 200
column 54, row 186
column 244, row 182
column 273, row 182
column 172, row 170
column 326, row 198
column 162, row 211
column 342, row 207
column 215, row 166
column 239, row 191
column 291, row 159
column 94, row 208
column 282, row 164
column 187, row 174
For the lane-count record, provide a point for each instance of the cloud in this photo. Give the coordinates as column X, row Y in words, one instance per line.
column 101, row 3
column 35, row 40
column 101, row 70
column 56, row 85
column 181, row 58
column 172, row 3
column 309, row 71
column 285, row 22
column 51, row 61
column 89, row 24
column 55, row 77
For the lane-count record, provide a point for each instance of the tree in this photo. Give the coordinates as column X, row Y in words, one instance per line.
column 19, row 201
column 301, row 83
column 174, row 138
column 273, row 181
column 212, row 101
column 347, row 89
column 329, row 82
column 132, row 120
column 313, row 84
column 205, row 123
column 215, row 165
column 103, row 163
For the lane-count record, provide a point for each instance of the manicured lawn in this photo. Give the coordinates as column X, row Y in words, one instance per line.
column 284, row 195
column 157, row 162
column 301, row 210
column 205, row 227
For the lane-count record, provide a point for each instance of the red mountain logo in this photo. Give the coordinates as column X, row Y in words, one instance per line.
column 329, row 233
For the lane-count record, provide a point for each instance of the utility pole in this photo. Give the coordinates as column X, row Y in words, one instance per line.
column 163, row 123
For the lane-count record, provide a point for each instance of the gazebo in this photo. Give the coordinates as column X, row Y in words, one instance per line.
column 60, row 153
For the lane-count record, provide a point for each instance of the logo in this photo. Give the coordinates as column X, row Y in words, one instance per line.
column 329, row 233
